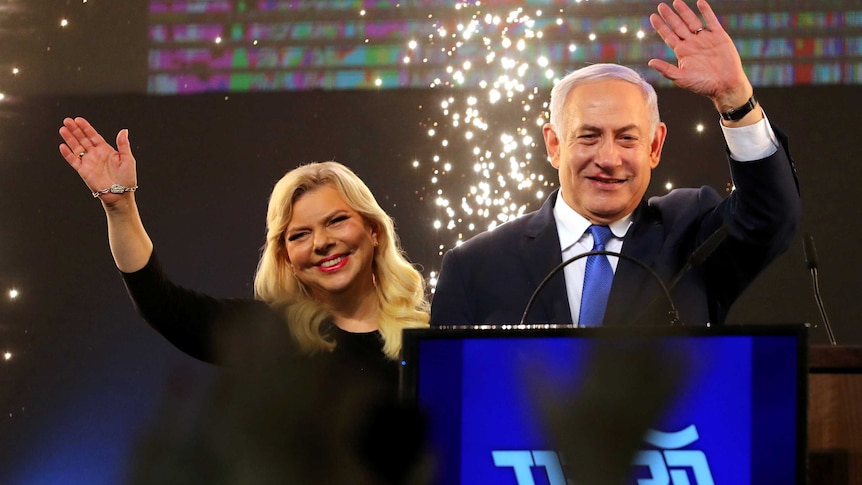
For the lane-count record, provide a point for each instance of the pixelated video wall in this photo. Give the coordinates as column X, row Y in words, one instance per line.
column 263, row 45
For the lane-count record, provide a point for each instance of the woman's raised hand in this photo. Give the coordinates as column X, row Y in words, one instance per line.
column 96, row 161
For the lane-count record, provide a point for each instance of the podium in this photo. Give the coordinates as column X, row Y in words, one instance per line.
column 835, row 415
column 510, row 404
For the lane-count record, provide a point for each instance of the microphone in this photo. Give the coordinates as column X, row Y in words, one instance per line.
column 811, row 261
column 674, row 314
column 701, row 253
column 698, row 256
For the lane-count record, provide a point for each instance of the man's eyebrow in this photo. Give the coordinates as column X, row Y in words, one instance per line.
column 592, row 128
column 629, row 127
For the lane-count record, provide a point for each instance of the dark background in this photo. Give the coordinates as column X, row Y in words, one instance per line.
column 86, row 373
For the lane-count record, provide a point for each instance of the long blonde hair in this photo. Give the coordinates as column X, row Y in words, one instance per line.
column 400, row 287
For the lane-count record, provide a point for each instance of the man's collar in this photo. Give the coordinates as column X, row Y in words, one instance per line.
column 571, row 226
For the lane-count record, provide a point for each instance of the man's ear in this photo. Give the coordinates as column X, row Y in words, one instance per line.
column 552, row 145
column 657, row 145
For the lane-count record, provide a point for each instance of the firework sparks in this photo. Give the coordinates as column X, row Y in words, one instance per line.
column 499, row 61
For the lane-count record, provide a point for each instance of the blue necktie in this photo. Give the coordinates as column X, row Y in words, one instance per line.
column 597, row 281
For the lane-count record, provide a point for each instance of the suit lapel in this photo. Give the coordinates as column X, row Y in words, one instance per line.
column 634, row 288
column 541, row 247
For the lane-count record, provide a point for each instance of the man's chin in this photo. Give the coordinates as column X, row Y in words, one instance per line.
column 606, row 215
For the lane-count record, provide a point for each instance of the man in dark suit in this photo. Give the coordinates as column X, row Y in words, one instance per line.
column 604, row 138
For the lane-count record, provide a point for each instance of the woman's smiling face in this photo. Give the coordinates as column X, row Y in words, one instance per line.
column 330, row 246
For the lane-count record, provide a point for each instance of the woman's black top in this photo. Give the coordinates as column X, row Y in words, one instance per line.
column 217, row 330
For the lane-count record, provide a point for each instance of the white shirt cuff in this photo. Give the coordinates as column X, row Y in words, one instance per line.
column 752, row 142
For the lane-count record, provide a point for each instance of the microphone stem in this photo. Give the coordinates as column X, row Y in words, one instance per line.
column 673, row 313
column 821, row 308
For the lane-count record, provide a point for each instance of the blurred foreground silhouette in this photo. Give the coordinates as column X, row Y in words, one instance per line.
column 600, row 426
column 274, row 417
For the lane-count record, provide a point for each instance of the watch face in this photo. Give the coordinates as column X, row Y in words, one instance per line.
column 117, row 189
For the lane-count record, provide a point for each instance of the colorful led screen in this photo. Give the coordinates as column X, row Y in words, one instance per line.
column 266, row 45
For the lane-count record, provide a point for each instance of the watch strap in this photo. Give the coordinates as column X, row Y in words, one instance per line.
column 737, row 114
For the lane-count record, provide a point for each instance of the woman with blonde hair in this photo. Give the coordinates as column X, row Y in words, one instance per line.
column 389, row 291
column 332, row 266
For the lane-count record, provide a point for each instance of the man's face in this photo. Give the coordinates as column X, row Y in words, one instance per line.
column 606, row 151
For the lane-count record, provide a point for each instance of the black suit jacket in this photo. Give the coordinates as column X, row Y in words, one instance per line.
column 490, row 278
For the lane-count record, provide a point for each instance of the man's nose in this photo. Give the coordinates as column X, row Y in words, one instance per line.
column 608, row 154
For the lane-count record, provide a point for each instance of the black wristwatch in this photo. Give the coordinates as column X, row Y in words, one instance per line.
column 737, row 114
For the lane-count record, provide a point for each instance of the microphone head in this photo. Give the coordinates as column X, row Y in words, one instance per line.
column 705, row 250
column 809, row 250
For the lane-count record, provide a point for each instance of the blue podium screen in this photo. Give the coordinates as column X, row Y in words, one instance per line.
column 705, row 406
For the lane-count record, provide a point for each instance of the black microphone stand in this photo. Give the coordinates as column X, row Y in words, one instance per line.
column 810, row 252
column 673, row 313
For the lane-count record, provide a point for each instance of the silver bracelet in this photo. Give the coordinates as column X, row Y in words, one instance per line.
column 114, row 189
